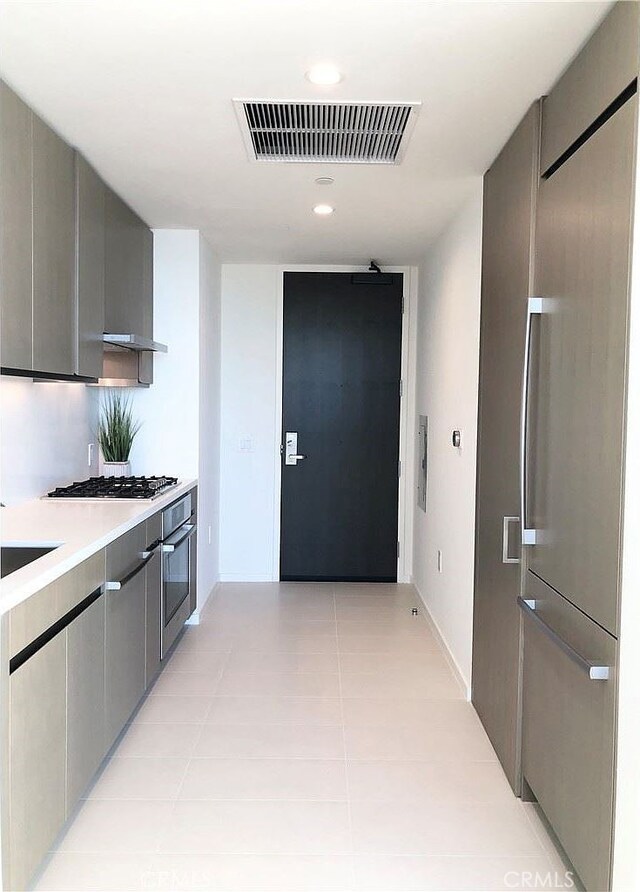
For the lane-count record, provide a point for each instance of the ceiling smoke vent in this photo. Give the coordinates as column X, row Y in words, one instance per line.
column 339, row 132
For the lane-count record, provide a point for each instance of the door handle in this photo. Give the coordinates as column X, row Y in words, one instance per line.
column 291, row 454
column 529, row 536
column 506, row 523
column 595, row 671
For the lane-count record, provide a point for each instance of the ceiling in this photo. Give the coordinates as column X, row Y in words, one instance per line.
column 144, row 89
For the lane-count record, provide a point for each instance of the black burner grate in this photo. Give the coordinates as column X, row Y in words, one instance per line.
column 115, row 488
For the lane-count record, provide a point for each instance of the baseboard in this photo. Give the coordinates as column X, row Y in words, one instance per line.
column 194, row 619
column 451, row 660
column 246, row 577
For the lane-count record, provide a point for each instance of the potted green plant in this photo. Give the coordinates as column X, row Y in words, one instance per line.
column 116, row 432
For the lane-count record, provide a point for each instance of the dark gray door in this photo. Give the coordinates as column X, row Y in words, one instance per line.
column 509, row 207
column 341, row 397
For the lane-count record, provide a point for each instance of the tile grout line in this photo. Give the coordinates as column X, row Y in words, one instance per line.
column 344, row 746
column 195, row 744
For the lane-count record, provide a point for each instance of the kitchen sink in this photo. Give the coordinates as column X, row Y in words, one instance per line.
column 14, row 557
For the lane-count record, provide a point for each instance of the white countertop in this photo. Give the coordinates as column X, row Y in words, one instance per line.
column 80, row 528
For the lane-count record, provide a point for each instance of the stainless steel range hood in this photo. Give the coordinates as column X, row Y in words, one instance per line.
column 128, row 360
column 134, row 342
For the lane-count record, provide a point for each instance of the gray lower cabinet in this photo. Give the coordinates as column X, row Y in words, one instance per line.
column 569, row 729
column 90, row 191
column 86, row 739
column 53, row 252
column 55, row 736
column 507, row 270
column 37, row 742
column 15, row 230
column 153, row 598
column 125, row 661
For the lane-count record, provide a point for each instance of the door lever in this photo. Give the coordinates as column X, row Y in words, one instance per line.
column 291, row 454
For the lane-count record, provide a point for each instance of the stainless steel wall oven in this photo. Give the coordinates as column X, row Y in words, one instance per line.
column 178, row 529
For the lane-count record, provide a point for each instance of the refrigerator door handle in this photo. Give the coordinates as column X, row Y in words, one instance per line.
column 593, row 670
column 506, row 523
column 534, row 308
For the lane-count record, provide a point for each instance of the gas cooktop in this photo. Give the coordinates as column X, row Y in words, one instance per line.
column 115, row 488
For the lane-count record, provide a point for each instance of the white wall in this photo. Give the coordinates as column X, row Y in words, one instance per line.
column 167, row 442
column 447, row 392
column 180, row 413
column 44, row 432
column 250, row 428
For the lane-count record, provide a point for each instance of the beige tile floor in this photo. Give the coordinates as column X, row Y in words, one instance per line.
column 305, row 737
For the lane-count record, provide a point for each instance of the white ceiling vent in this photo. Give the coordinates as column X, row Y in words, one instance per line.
column 339, row 132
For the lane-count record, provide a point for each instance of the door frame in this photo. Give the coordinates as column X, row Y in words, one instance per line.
column 407, row 446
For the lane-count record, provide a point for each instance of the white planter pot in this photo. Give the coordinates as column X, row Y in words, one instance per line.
column 116, row 469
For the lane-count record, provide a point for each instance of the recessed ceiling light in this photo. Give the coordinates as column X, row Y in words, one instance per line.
column 324, row 74
column 324, row 181
column 323, row 210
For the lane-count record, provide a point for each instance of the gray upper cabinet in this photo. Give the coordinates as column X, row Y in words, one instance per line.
column 90, row 210
column 15, row 230
column 604, row 68
column 75, row 260
column 507, row 272
column 53, row 252
column 126, row 243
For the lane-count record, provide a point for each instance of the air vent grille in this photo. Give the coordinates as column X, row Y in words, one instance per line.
column 345, row 133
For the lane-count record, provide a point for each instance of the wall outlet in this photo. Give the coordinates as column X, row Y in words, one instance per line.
column 90, row 454
column 439, row 561
column 246, row 444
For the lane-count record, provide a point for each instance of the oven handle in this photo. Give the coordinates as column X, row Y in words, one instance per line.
column 178, row 537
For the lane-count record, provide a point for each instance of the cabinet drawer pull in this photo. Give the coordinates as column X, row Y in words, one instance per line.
column 45, row 637
column 116, row 586
column 151, row 549
column 593, row 670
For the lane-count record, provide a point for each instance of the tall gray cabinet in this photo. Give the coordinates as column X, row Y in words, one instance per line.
column 507, row 277
column 554, row 330
column 573, row 463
